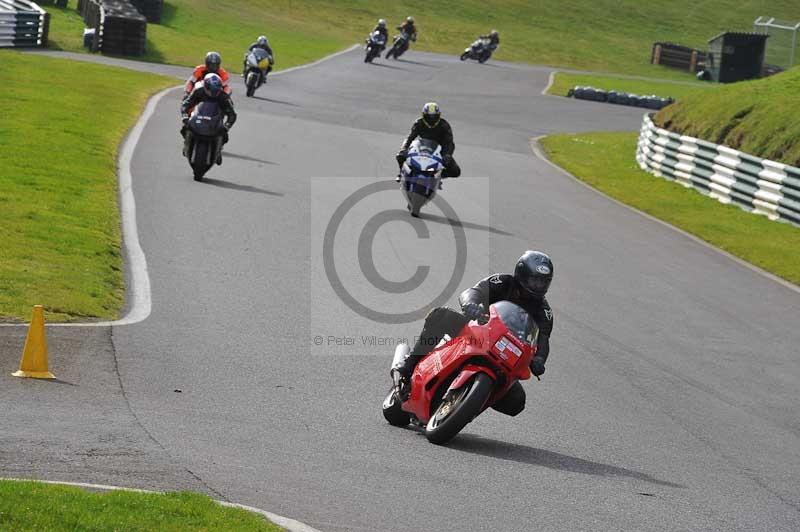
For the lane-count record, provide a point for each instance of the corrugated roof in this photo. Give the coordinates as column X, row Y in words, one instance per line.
column 750, row 35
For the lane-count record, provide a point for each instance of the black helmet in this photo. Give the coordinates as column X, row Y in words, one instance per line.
column 213, row 61
column 534, row 272
column 212, row 84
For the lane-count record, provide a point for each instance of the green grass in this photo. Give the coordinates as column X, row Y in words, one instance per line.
column 563, row 82
column 59, row 223
column 606, row 162
column 34, row 506
column 757, row 117
column 600, row 35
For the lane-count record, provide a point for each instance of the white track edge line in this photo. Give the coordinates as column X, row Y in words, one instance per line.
column 318, row 61
column 289, row 524
column 139, row 293
column 539, row 153
column 550, row 80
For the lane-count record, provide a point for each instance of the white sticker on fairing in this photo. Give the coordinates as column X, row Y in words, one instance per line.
column 503, row 345
column 548, row 313
column 514, row 349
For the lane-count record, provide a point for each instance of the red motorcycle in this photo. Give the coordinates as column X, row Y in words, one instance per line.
column 460, row 379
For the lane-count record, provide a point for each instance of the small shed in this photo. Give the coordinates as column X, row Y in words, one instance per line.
column 735, row 56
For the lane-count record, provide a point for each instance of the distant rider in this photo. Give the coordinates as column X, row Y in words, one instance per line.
column 210, row 90
column 432, row 126
column 380, row 28
column 263, row 43
column 526, row 287
column 494, row 39
column 212, row 65
column 409, row 28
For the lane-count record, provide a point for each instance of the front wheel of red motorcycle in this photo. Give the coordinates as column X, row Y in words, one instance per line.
column 457, row 410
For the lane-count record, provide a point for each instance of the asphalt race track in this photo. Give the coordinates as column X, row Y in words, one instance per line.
column 671, row 396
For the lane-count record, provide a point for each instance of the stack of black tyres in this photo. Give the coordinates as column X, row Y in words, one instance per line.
column 90, row 11
column 620, row 98
column 124, row 29
column 151, row 9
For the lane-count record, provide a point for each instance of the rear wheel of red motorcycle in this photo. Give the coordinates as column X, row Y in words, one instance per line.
column 456, row 411
column 393, row 411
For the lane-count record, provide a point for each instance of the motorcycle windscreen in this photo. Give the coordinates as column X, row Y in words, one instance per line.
column 258, row 55
column 425, row 147
column 206, row 119
column 518, row 321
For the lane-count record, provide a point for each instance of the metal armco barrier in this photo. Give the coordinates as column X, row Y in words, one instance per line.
column 730, row 176
column 23, row 24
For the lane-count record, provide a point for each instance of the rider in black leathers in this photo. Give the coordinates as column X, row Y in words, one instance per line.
column 432, row 126
column 526, row 287
column 381, row 28
column 211, row 90
column 494, row 38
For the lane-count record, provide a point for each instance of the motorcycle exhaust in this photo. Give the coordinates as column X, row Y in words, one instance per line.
column 401, row 353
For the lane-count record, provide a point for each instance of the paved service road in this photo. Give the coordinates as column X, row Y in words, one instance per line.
column 671, row 397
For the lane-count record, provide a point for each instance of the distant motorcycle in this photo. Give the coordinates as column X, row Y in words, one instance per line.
column 400, row 46
column 375, row 45
column 421, row 173
column 480, row 50
column 458, row 380
column 206, row 129
column 259, row 63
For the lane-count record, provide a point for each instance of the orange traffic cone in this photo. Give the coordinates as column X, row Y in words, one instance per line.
column 34, row 356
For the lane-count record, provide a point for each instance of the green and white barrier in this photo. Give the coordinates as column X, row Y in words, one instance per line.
column 730, row 176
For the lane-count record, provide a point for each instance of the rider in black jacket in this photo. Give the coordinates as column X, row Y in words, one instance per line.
column 526, row 287
column 381, row 28
column 211, row 90
column 432, row 126
column 494, row 38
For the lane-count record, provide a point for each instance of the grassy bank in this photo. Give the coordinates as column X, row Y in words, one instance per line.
column 33, row 506
column 606, row 162
column 59, row 222
column 602, row 35
column 756, row 117
column 563, row 82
